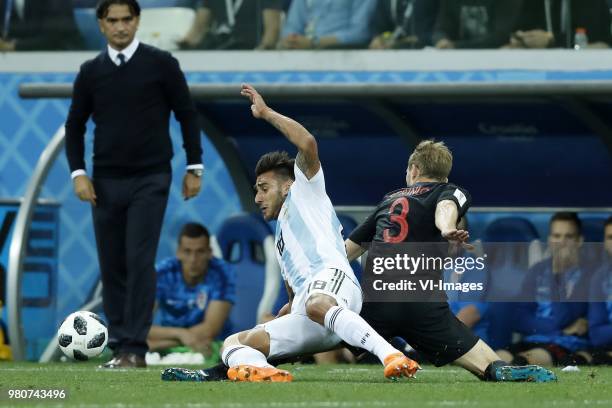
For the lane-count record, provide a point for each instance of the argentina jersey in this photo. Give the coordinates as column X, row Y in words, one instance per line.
column 308, row 232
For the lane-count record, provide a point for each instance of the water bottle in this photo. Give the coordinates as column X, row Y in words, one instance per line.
column 581, row 41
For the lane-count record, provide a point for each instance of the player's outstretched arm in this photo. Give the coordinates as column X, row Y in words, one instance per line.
column 308, row 155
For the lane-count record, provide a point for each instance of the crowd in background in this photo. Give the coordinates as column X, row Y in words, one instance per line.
column 333, row 24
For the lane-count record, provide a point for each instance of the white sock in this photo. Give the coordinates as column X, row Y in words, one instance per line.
column 240, row 354
column 351, row 328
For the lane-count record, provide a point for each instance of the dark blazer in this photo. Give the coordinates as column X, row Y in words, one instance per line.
column 46, row 25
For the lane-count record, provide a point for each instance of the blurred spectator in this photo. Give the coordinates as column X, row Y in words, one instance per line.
column 475, row 23
column 235, row 24
column 328, row 24
column 28, row 25
column 195, row 293
column 554, row 322
column 600, row 311
column 553, row 23
column 404, row 23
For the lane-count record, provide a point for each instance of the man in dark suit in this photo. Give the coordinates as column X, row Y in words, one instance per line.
column 129, row 90
column 28, row 25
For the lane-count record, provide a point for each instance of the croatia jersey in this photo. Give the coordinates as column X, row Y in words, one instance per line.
column 308, row 232
column 181, row 305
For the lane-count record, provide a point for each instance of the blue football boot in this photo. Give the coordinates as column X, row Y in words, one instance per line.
column 184, row 374
column 528, row 373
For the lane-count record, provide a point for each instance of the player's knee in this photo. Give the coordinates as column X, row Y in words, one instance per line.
column 317, row 306
column 258, row 339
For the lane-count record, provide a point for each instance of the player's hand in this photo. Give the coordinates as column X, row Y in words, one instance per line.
column 380, row 42
column 297, row 42
column 258, row 105
column 202, row 345
column 188, row 338
column 193, row 38
column 191, row 185
column 84, row 189
column 535, row 38
column 578, row 328
column 445, row 44
column 6, row 45
column 459, row 237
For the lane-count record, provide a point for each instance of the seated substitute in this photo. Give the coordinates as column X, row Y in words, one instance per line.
column 195, row 293
column 552, row 318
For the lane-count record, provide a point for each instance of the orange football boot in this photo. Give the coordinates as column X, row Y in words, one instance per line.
column 248, row 373
column 398, row 365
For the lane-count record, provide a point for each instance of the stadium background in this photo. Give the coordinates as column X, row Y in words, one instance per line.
column 532, row 153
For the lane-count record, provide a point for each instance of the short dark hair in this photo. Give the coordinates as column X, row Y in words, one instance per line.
column 567, row 216
column 279, row 162
column 608, row 222
column 193, row 230
column 104, row 5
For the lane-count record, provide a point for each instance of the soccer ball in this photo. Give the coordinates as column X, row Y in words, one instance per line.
column 82, row 335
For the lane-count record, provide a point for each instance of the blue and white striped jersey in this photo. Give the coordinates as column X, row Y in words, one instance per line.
column 308, row 232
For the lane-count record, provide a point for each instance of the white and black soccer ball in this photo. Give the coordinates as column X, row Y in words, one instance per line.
column 82, row 335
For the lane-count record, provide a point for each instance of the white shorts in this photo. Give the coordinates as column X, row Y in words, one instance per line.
column 295, row 334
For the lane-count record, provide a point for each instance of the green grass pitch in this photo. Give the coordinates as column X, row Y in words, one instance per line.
column 313, row 386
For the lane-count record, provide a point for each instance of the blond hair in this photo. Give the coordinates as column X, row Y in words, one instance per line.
column 433, row 159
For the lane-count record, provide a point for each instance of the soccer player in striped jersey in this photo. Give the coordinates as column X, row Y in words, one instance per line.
column 324, row 295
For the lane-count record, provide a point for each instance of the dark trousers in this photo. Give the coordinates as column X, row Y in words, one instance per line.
column 127, row 223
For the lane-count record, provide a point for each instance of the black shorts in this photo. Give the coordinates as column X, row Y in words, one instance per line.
column 429, row 327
